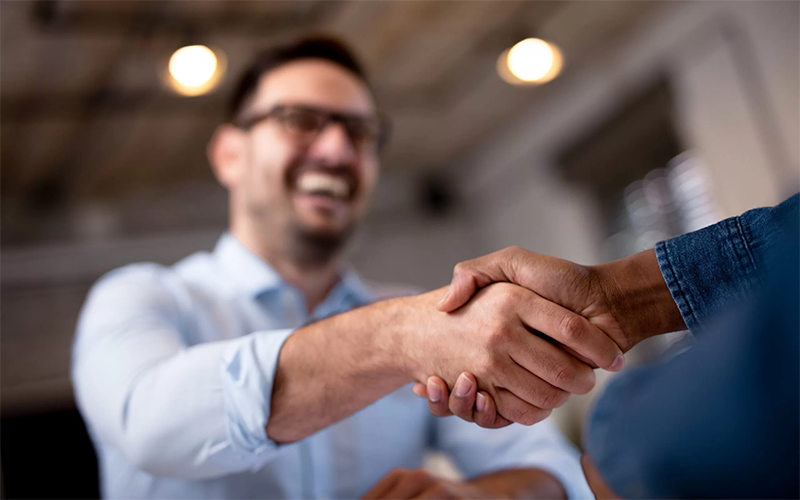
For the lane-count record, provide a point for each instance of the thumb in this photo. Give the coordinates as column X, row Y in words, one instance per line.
column 461, row 289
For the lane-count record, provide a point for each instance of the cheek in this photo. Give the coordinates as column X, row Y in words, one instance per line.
column 369, row 178
column 268, row 163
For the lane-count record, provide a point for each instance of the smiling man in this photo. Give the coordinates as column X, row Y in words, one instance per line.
column 268, row 369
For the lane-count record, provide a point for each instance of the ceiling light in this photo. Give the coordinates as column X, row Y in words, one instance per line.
column 195, row 69
column 531, row 61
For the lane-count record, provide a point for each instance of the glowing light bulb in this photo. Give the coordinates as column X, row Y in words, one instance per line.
column 530, row 61
column 194, row 69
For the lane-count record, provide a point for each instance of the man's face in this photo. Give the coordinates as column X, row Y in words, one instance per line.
column 319, row 186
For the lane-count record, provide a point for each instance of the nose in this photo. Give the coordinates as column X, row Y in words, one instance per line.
column 333, row 146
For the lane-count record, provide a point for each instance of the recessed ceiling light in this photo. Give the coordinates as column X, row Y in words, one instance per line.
column 531, row 61
column 195, row 69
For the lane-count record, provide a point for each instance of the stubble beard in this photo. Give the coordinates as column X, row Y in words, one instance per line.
column 315, row 249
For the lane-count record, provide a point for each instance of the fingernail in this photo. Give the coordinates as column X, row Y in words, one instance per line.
column 463, row 385
column 434, row 392
column 617, row 364
column 446, row 295
column 480, row 402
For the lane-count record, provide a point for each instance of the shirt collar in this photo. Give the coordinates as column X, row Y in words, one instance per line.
column 256, row 277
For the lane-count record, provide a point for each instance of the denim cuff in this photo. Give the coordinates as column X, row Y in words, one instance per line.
column 707, row 270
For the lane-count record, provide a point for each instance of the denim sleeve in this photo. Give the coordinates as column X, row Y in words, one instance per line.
column 707, row 270
column 719, row 420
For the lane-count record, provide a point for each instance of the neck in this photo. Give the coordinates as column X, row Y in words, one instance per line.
column 314, row 278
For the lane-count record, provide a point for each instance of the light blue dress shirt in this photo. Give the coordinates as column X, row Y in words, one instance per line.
column 173, row 370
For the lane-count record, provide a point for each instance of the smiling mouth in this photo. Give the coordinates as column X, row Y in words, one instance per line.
column 322, row 184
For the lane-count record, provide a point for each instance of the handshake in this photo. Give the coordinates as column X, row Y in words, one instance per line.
column 517, row 332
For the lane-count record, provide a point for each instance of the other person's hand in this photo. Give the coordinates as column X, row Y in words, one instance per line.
column 419, row 484
column 627, row 300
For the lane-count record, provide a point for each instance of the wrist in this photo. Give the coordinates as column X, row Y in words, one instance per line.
column 410, row 317
column 638, row 297
column 391, row 327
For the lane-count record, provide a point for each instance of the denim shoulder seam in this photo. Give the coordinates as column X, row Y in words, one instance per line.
column 746, row 261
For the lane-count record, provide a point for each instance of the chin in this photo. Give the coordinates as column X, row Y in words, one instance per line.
column 325, row 228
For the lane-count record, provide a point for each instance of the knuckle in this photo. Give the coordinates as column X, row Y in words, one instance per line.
column 418, row 474
column 520, row 415
column 461, row 268
column 565, row 376
column 532, row 416
column 496, row 336
column 554, row 398
column 571, row 327
column 398, row 472
column 586, row 378
column 488, row 365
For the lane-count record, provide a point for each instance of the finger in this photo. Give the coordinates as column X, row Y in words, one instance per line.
column 385, row 485
column 530, row 388
column 411, row 484
column 568, row 328
column 470, row 275
column 486, row 412
column 462, row 398
column 553, row 365
column 516, row 410
column 420, row 390
column 438, row 397
column 438, row 492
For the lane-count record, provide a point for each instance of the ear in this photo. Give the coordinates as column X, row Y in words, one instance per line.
column 226, row 154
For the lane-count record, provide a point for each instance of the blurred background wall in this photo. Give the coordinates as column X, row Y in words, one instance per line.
column 666, row 116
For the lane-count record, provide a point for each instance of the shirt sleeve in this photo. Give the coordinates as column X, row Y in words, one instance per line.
column 175, row 410
column 478, row 451
column 714, row 267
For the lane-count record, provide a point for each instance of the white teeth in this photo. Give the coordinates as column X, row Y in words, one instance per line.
column 319, row 183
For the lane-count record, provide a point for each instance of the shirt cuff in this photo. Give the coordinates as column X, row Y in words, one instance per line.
column 707, row 270
column 247, row 374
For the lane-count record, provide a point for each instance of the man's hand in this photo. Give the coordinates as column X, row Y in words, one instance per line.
column 508, row 483
column 627, row 300
column 596, row 482
column 505, row 336
column 419, row 483
column 491, row 337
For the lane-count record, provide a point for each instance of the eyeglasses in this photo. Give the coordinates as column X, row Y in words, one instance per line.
column 305, row 123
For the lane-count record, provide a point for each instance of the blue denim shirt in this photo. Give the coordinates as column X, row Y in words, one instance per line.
column 720, row 420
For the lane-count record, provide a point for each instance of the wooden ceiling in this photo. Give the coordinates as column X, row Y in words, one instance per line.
column 84, row 116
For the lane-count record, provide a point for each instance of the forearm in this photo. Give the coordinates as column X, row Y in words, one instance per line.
column 333, row 368
column 520, row 483
column 639, row 297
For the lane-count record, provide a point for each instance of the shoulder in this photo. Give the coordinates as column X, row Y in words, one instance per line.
column 149, row 281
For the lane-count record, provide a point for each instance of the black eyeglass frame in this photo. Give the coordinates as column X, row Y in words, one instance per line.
column 382, row 122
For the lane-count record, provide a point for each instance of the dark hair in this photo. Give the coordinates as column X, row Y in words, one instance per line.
column 267, row 60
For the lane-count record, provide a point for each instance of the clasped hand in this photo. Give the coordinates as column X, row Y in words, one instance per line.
column 546, row 333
